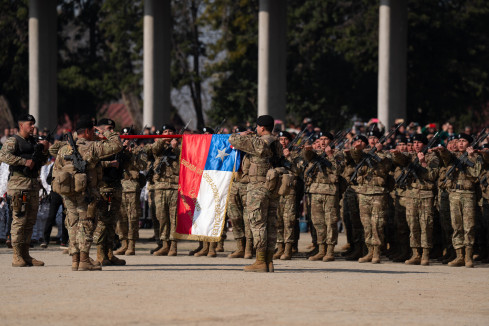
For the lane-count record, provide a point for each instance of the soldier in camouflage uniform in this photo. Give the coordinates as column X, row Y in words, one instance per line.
column 83, row 205
column 420, row 194
column 23, row 187
column 462, row 196
column 371, row 188
column 263, row 149
column 165, row 178
column 324, row 170
column 133, row 161
column 110, row 205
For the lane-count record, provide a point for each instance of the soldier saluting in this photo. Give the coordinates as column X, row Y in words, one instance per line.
column 23, row 186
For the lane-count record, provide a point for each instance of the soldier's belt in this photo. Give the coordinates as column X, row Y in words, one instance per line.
column 20, row 174
column 462, row 187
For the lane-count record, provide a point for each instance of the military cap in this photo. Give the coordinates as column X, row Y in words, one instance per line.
column 167, row 127
column 409, row 140
column 239, row 129
column 401, row 139
column 486, row 145
column 374, row 133
column 326, row 134
column 26, row 117
column 466, row 137
column 106, row 122
column 208, row 130
column 450, row 138
column 85, row 122
column 285, row 134
column 265, row 121
column 128, row 130
column 362, row 138
column 420, row 137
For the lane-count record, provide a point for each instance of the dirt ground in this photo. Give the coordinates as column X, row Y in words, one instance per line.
column 187, row 290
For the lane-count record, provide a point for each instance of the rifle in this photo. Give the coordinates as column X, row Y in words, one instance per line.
column 371, row 156
column 37, row 156
column 167, row 154
column 78, row 162
column 295, row 141
column 463, row 161
column 218, row 128
column 414, row 167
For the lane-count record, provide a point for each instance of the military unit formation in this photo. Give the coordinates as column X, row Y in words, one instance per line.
column 410, row 197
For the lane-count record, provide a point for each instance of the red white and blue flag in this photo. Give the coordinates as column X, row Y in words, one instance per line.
column 206, row 170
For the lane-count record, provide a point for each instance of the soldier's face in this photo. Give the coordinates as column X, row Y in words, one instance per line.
column 284, row 141
column 401, row 147
column 418, row 146
column 359, row 144
column 462, row 144
column 409, row 147
column 372, row 140
column 167, row 132
column 452, row 146
column 26, row 128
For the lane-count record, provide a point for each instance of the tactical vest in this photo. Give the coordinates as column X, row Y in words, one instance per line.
column 23, row 148
column 259, row 165
column 111, row 175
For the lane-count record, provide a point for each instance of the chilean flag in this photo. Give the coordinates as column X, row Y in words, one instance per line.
column 207, row 163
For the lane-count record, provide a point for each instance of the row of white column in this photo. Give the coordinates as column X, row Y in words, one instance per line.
column 271, row 60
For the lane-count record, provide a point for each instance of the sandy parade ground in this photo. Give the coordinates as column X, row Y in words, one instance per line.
column 186, row 290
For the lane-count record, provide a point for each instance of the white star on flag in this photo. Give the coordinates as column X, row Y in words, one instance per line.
column 222, row 154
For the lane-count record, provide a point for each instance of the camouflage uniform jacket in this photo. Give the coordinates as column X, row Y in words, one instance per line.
column 462, row 180
column 372, row 180
column 326, row 181
column 167, row 178
column 9, row 154
column 135, row 162
column 484, row 177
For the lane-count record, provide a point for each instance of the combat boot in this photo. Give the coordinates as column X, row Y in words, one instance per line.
column 122, row 250
column 347, row 249
column 451, row 255
column 415, row 258
column 220, row 246
column 402, row 256
column 425, row 259
column 159, row 244
column 85, row 265
column 329, row 253
column 469, row 261
column 102, row 256
column 240, row 250
column 248, row 249
column 173, row 248
column 260, row 265
column 313, row 252
column 163, row 251
column 75, row 261
column 287, row 255
column 356, row 253
column 376, row 255
column 204, row 251
column 321, row 253
column 212, row 249
column 269, row 260
column 459, row 260
column 28, row 259
column 196, row 250
column 280, row 250
column 18, row 259
column 368, row 257
column 131, row 248
column 295, row 248
column 113, row 259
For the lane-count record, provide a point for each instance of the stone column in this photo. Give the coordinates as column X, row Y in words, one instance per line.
column 272, row 51
column 157, row 51
column 392, row 61
column 43, row 50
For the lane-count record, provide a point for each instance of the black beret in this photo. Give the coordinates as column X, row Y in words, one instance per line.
column 374, row 133
column 466, row 137
column 208, row 130
column 128, row 130
column 409, row 140
column 450, row 138
column 27, row 117
column 420, row 137
column 106, row 122
column 239, row 129
column 362, row 138
column 265, row 121
column 401, row 139
column 85, row 122
column 168, row 126
column 285, row 134
column 486, row 145
column 326, row 134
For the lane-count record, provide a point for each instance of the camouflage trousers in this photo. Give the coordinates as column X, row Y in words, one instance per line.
column 128, row 224
column 372, row 214
column 166, row 212
column 152, row 214
column 236, row 211
column 400, row 221
column 79, row 222
column 462, row 212
column 107, row 217
column 262, row 214
column 324, row 215
column 286, row 219
column 443, row 206
column 419, row 214
column 24, row 215
column 353, row 211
